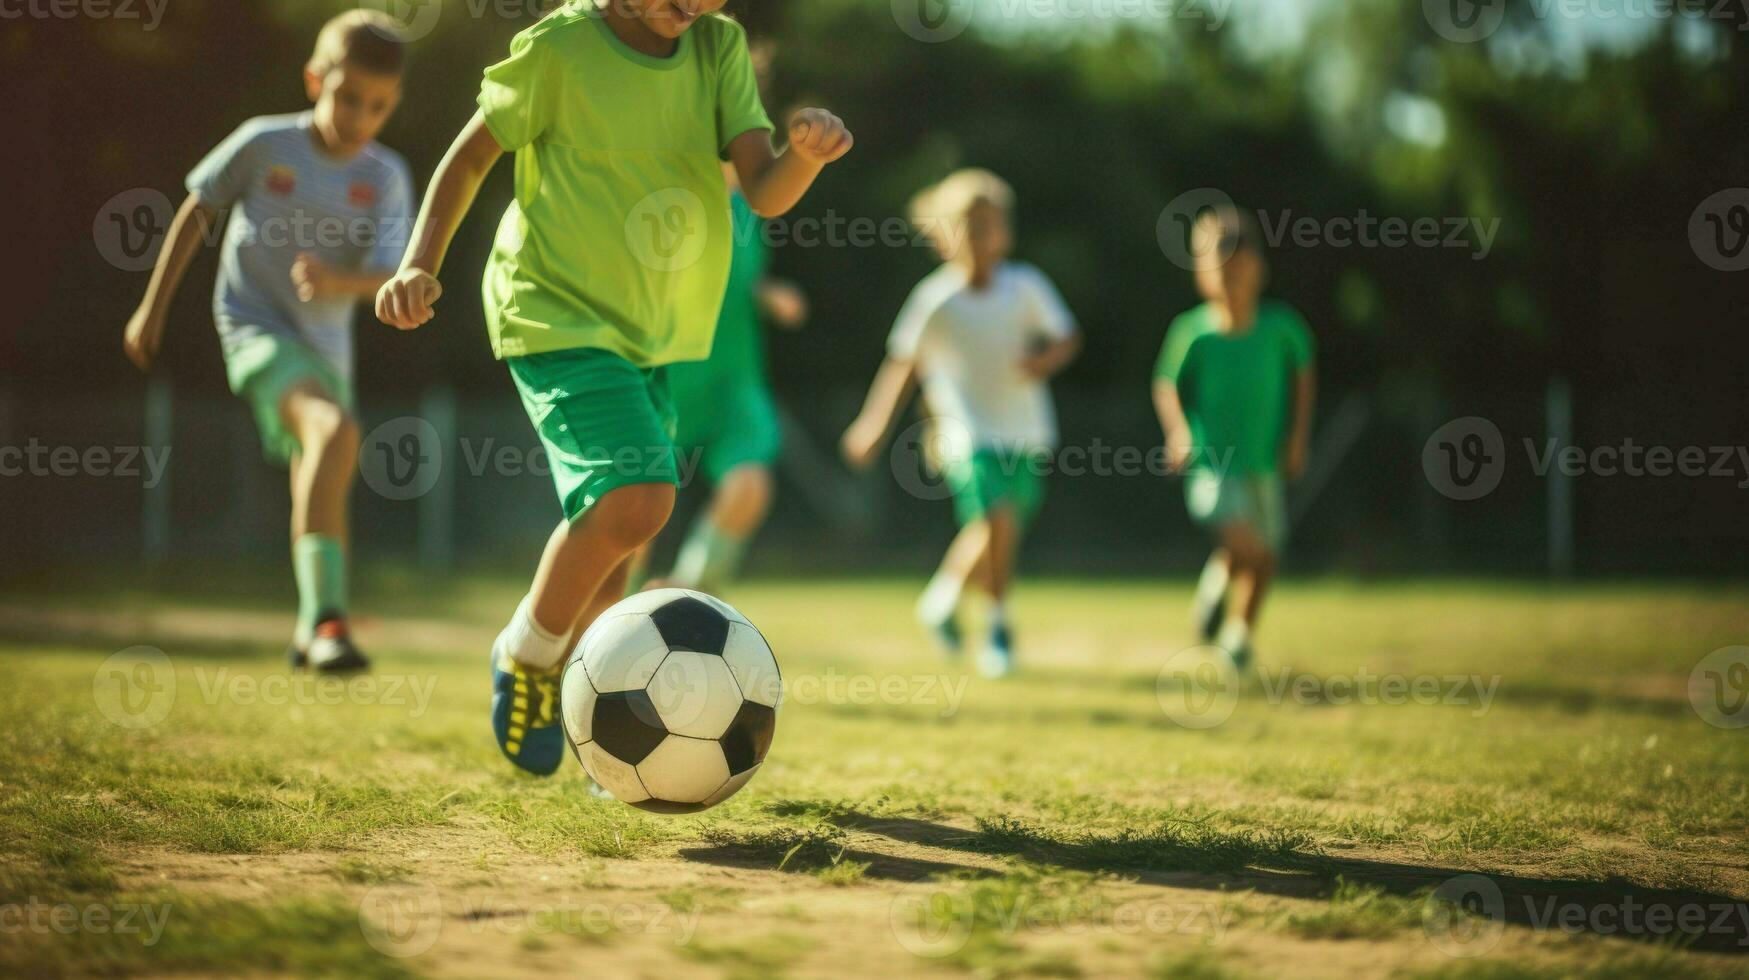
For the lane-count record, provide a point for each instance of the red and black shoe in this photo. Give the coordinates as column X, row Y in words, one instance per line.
column 331, row 650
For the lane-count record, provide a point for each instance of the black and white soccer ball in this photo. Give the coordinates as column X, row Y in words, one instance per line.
column 670, row 700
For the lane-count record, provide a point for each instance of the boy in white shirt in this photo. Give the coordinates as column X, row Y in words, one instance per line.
column 984, row 336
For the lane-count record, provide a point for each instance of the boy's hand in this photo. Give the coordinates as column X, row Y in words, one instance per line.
column 1293, row 459
column 405, row 301
column 818, row 136
column 1179, row 451
column 313, row 277
column 784, row 303
column 145, row 332
column 861, row 443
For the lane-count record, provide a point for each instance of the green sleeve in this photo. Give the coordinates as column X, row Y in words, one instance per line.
column 518, row 92
column 1174, row 351
column 1298, row 339
column 739, row 109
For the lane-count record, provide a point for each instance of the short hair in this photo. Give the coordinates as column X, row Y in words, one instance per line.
column 1223, row 231
column 368, row 39
column 956, row 195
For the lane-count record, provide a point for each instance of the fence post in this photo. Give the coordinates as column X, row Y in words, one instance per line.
column 1560, row 485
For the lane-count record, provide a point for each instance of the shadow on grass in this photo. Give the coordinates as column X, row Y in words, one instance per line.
column 1192, row 855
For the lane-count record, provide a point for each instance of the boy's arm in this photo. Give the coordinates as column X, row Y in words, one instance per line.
column 773, row 182
column 404, row 301
column 189, row 230
column 1298, row 448
column 1054, row 358
column 1173, row 423
column 886, row 399
column 316, row 279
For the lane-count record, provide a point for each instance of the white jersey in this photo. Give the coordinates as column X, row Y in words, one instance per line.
column 968, row 345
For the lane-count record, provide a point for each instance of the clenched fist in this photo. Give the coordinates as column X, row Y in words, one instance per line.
column 818, row 136
column 405, row 301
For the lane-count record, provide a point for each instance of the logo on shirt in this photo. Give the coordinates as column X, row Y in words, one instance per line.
column 282, row 179
column 362, row 195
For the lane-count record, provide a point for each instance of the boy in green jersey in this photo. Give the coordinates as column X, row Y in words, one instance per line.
column 728, row 419
column 317, row 217
column 609, row 265
column 1234, row 388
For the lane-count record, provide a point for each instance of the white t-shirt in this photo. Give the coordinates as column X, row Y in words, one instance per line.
column 968, row 345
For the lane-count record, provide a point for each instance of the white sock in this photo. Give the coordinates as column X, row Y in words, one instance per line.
column 998, row 613
column 1210, row 587
column 1235, row 635
column 528, row 644
column 939, row 599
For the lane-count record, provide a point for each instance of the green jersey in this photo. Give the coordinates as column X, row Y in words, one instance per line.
column 738, row 354
column 1236, row 387
column 619, row 237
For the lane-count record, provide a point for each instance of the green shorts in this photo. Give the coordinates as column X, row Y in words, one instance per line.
column 989, row 480
column 1253, row 501
column 605, row 422
column 739, row 426
column 261, row 369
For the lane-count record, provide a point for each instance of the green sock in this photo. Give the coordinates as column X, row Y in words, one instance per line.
column 709, row 557
column 319, row 563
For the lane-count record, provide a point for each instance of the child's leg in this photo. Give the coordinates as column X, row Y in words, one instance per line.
column 321, row 482
column 718, row 539
column 585, row 563
column 1253, row 566
column 965, row 559
column 1208, row 607
column 1004, row 543
column 612, row 591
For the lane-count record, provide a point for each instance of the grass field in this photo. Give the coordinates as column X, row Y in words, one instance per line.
column 195, row 814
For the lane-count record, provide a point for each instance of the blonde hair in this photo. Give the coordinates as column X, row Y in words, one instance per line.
column 1222, row 231
column 940, row 205
column 369, row 39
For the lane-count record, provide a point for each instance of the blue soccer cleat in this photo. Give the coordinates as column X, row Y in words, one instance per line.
column 525, row 718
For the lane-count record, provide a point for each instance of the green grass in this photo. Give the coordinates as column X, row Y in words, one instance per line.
column 1047, row 810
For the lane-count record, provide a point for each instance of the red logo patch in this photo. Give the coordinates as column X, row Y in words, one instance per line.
column 282, row 179
column 362, row 195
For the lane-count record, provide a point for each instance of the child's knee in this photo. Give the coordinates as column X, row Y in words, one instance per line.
column 322, row 424
column 628, row 517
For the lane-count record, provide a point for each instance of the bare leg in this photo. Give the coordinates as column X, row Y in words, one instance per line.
column 611, row 591
column 322, row 473
column 1004, row 541
column 741, row 500
column 581, row 556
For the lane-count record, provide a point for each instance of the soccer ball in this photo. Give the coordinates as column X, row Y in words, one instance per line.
column 670, row 700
